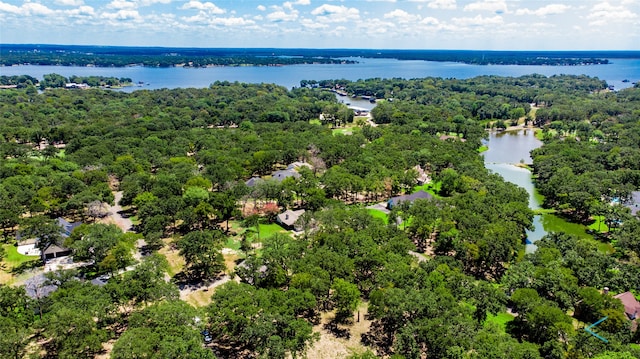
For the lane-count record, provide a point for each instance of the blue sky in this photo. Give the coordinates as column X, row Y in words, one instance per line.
column 385, row 24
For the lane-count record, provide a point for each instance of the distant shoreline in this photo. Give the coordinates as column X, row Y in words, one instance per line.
column 116, row 56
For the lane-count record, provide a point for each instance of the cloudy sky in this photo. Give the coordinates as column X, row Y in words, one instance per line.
column 385, row 24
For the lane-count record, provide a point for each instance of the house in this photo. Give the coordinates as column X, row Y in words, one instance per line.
column 296, row 165
column 29, row 246
column 288, row 218
column 253, row 181
column 633, row 203
column 630, row 303
column 55, row 251
column 408, row 198
column 67, row 227
column 38, row 287
column 281, row 175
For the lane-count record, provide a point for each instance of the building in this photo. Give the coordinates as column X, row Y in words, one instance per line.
column 633, row 203
column 631, row 305
column 408, row 198
column 288, row 218
column 281, row 175
column 297, row 165
column 29, row 246
column 253, row 181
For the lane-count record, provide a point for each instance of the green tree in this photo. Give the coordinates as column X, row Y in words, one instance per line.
column 345, row 298
column 201, row 251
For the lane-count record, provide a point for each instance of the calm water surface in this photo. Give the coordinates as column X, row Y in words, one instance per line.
column 505, row 150
column 290, row 76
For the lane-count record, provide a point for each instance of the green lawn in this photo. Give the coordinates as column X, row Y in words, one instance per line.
column 501, row 319
column 598, row 225
column 483, row 148
column 232, row 243
column 379, row 214
column 433, row 188
column 15, row 259
column 267, row 230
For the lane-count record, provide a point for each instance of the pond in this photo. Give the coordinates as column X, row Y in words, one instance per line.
column 506, row 151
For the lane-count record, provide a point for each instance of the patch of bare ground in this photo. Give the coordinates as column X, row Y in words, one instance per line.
column 176, row 261
column 200, row 295
column 329, row 346
column 107, row 348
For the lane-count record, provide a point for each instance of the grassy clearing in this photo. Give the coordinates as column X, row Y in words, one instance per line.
column 598, row 225
column 483, row 148
column 379, row 214
column 176, row 261
column 501, row 319
column 13, row 258
column 328, row 346
column 433, row 188
column 267, row 230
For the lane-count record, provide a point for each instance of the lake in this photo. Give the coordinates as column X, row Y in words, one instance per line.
column 506, row 149
column 290, row 76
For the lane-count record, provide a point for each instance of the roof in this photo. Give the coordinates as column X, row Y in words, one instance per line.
column 54, row 248
column 35, row 287
column 410, row 197
column 634, row 202
column 253, row 181
column 289, row 217
column 631, row 304
column 298, row 164
column 281, row 175
column 67, row 227
column 28, row 242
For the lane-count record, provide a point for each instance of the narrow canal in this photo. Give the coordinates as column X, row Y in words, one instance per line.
column 506, row 151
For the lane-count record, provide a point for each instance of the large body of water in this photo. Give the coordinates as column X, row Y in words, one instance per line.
column 290, row 76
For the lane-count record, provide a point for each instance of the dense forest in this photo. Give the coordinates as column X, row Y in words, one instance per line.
column 116, row 56
column 441, row 277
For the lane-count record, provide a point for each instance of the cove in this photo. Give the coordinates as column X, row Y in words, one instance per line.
column 506, row 150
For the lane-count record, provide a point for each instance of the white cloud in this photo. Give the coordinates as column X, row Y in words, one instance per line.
column 478, row 20
column 334, row 13
column 312, row 25
column 151, row 2
column 121, row 4
column 430, row 21
column 551, row 9
column 69, row 2
column 33, row 8
column 496, row 6
column 402, row 16
column 302, row 2
column 205, row 6
column 81, row 11
column 278, row 16
column 605, row 13
column 261, row 8
column 122, row 15
column 4, row 7
column 442, row 4
column 231, row 21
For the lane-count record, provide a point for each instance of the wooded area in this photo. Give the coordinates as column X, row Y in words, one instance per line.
column 433, row 275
